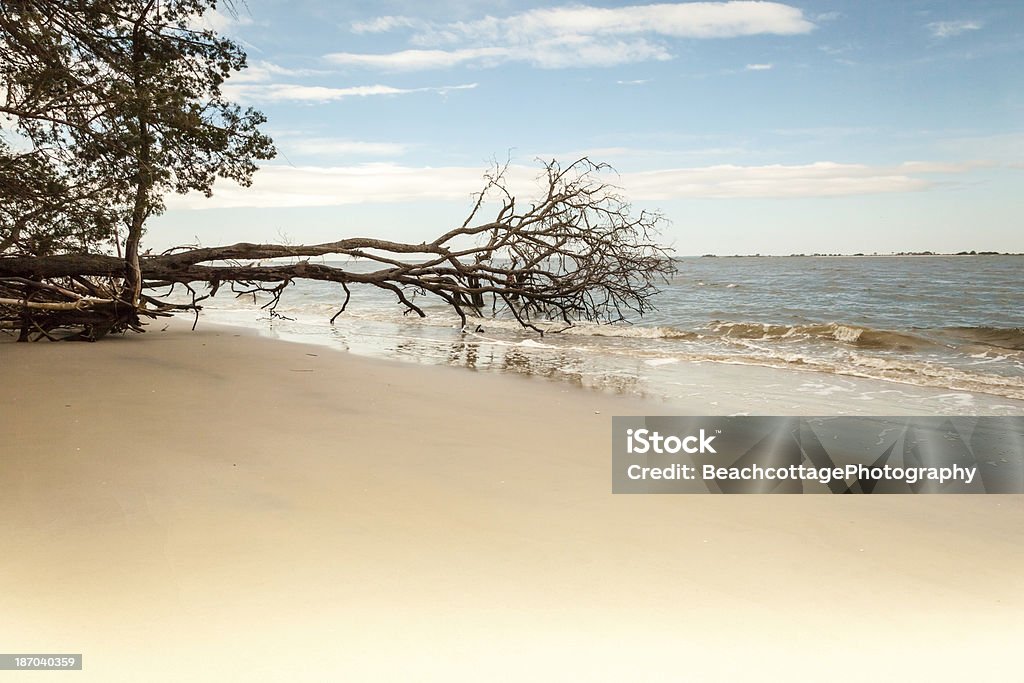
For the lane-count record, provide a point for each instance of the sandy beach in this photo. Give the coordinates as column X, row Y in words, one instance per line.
column 215, row 506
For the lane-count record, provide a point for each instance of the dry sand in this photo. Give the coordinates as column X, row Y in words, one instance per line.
column 213, row 506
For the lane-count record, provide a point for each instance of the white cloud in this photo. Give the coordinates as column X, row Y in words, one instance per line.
column 278, row 92
column 820, row 179
column 287, row 186
column 261, row 71
column 414, row 60
column 566, row 51
column 383, row 24
column 948, row 29
column 218, row 22
column 572, row 36
column 682, row 20
column 759, row 67
column 251, row 85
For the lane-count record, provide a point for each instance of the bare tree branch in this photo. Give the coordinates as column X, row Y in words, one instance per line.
column 577, row 253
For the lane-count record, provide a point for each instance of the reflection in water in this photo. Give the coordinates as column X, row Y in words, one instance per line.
column 464, row 355
column 553, row 363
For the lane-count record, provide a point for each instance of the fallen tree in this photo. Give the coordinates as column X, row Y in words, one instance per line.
column 108, row 106
column 577, row 252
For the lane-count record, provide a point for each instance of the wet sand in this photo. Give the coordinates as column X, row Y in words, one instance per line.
column 217, row 506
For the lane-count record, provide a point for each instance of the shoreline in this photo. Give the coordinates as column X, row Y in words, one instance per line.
column 216, row 505
column 706, row 387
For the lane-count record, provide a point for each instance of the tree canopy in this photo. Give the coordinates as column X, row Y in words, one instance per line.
column 119, row 102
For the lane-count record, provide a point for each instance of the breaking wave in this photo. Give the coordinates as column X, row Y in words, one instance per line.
column 864, row 337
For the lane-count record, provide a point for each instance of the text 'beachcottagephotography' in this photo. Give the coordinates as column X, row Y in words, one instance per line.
column 818, row 455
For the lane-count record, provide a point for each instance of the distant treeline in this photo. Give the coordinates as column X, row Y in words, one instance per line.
column 898, row 253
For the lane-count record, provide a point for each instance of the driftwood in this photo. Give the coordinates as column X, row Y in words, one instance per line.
column 576, row 253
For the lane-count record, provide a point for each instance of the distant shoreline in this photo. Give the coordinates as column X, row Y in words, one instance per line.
column 864, row 255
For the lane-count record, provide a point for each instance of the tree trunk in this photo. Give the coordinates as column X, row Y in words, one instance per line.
column 144, row 173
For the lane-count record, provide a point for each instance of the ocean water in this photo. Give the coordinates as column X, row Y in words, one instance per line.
column 944, row 329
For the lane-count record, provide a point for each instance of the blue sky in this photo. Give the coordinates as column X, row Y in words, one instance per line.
column 756, row 127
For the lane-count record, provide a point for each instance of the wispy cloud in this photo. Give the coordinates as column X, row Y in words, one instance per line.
column 261, row 71
column 219, row 22
column 383, row 24
column 573, row 36
column 280, row 92
column 948, row 29
column 759, row 67
column 278, row 186
column 820, row 179
column 415, row 60
column 256, row 84
column 556, row 53
column 288, row 186
column 682, row 20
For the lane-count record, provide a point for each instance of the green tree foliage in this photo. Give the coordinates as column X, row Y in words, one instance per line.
column 107, row 106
